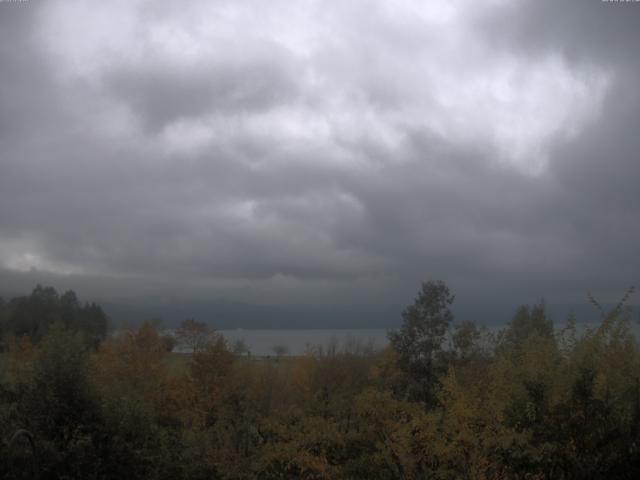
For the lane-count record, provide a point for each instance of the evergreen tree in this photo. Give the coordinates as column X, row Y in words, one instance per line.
column 419, row 341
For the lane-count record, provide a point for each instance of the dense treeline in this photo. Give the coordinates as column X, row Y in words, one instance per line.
column 33, row 315
column 442, row 402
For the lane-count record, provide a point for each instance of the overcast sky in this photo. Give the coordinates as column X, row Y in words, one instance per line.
column 326, row 155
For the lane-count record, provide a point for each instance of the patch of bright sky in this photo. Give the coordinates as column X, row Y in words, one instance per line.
column 25, row 256
column 456, row 87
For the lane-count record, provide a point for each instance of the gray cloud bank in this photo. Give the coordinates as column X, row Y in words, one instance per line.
column 319, row 157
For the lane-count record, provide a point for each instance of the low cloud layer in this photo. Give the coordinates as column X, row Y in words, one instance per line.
column 320, row 155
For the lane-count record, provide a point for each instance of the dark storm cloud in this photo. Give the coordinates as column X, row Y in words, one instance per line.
column 162, row 92
column 590, row 31
column 597, row 171
column 313, row 154
column 21, row 73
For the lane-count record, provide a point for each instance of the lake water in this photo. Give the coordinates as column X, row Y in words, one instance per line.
column 297, row 342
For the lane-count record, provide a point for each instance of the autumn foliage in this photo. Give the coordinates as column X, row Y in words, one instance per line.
column 443, row 401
